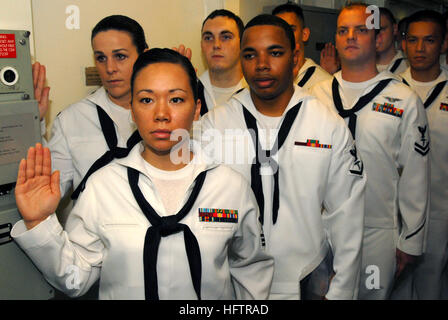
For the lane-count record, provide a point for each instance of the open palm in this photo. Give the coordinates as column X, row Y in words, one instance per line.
column 37, row 190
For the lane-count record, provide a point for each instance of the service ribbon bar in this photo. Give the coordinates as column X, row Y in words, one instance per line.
column 388, row 109
column 313, row 143
column 444, row 106
column 218, row 215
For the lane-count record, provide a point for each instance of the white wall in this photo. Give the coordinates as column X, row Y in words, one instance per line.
column 251, row 8
column 66, row 52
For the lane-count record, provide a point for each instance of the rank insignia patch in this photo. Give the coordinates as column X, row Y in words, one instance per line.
column 312, row 143
column 388, row 109
column 444, row 106
column 218, row 215
column 423, row 146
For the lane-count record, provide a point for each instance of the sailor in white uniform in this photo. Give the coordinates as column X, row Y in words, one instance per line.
column 299, row 157
column 390, row 127
column 388, row 57
column 161, row 223
column 90, row 133
column 423, row 44
column 86, row 130
column 307, row 72
column 220, row 44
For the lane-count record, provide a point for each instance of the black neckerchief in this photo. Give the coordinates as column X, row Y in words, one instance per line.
column 266, row 156
column 108, row 128
column 396, row 65
column 434, row 94
column 163, row 227
column 309, row 72
column 361, row 103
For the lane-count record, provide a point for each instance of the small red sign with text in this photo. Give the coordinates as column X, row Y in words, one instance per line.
column 7, row 46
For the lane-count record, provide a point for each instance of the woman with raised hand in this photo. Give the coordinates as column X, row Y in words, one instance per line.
column 90, row 133
column 162, row 222
column 99, row 125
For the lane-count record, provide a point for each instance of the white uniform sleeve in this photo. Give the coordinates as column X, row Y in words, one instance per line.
column 250, row 267
column 344, row 214
column 70, row 260
column 413, row 187
column 60, row 156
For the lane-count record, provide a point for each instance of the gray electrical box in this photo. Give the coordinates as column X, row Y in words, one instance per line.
column 19, row 129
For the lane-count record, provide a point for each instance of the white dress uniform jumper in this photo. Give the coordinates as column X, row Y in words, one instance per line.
column 310, row 74
column 83, row 133
column 431, row 273
column 119, row 232
column 390, row 127
column 310, row 163
column 205, row 92
column 397, row 65
column 108, row 129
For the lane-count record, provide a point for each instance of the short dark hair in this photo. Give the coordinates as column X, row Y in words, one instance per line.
column 290, row 7
column 271, row 20
column 403, row 26
column 445, row 16
column 388, row 14
column 123, row 23
column 227, row 14
column 158, row 55
column 428, row 16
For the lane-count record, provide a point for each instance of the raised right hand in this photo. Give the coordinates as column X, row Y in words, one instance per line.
column 329, row 60
column 37, row 191
column 183, row 51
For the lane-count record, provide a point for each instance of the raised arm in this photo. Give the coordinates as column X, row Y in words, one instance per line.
column 68, row 260
column 413, row 187
column 329, row 59
column 183, row 51
column 37, row 189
